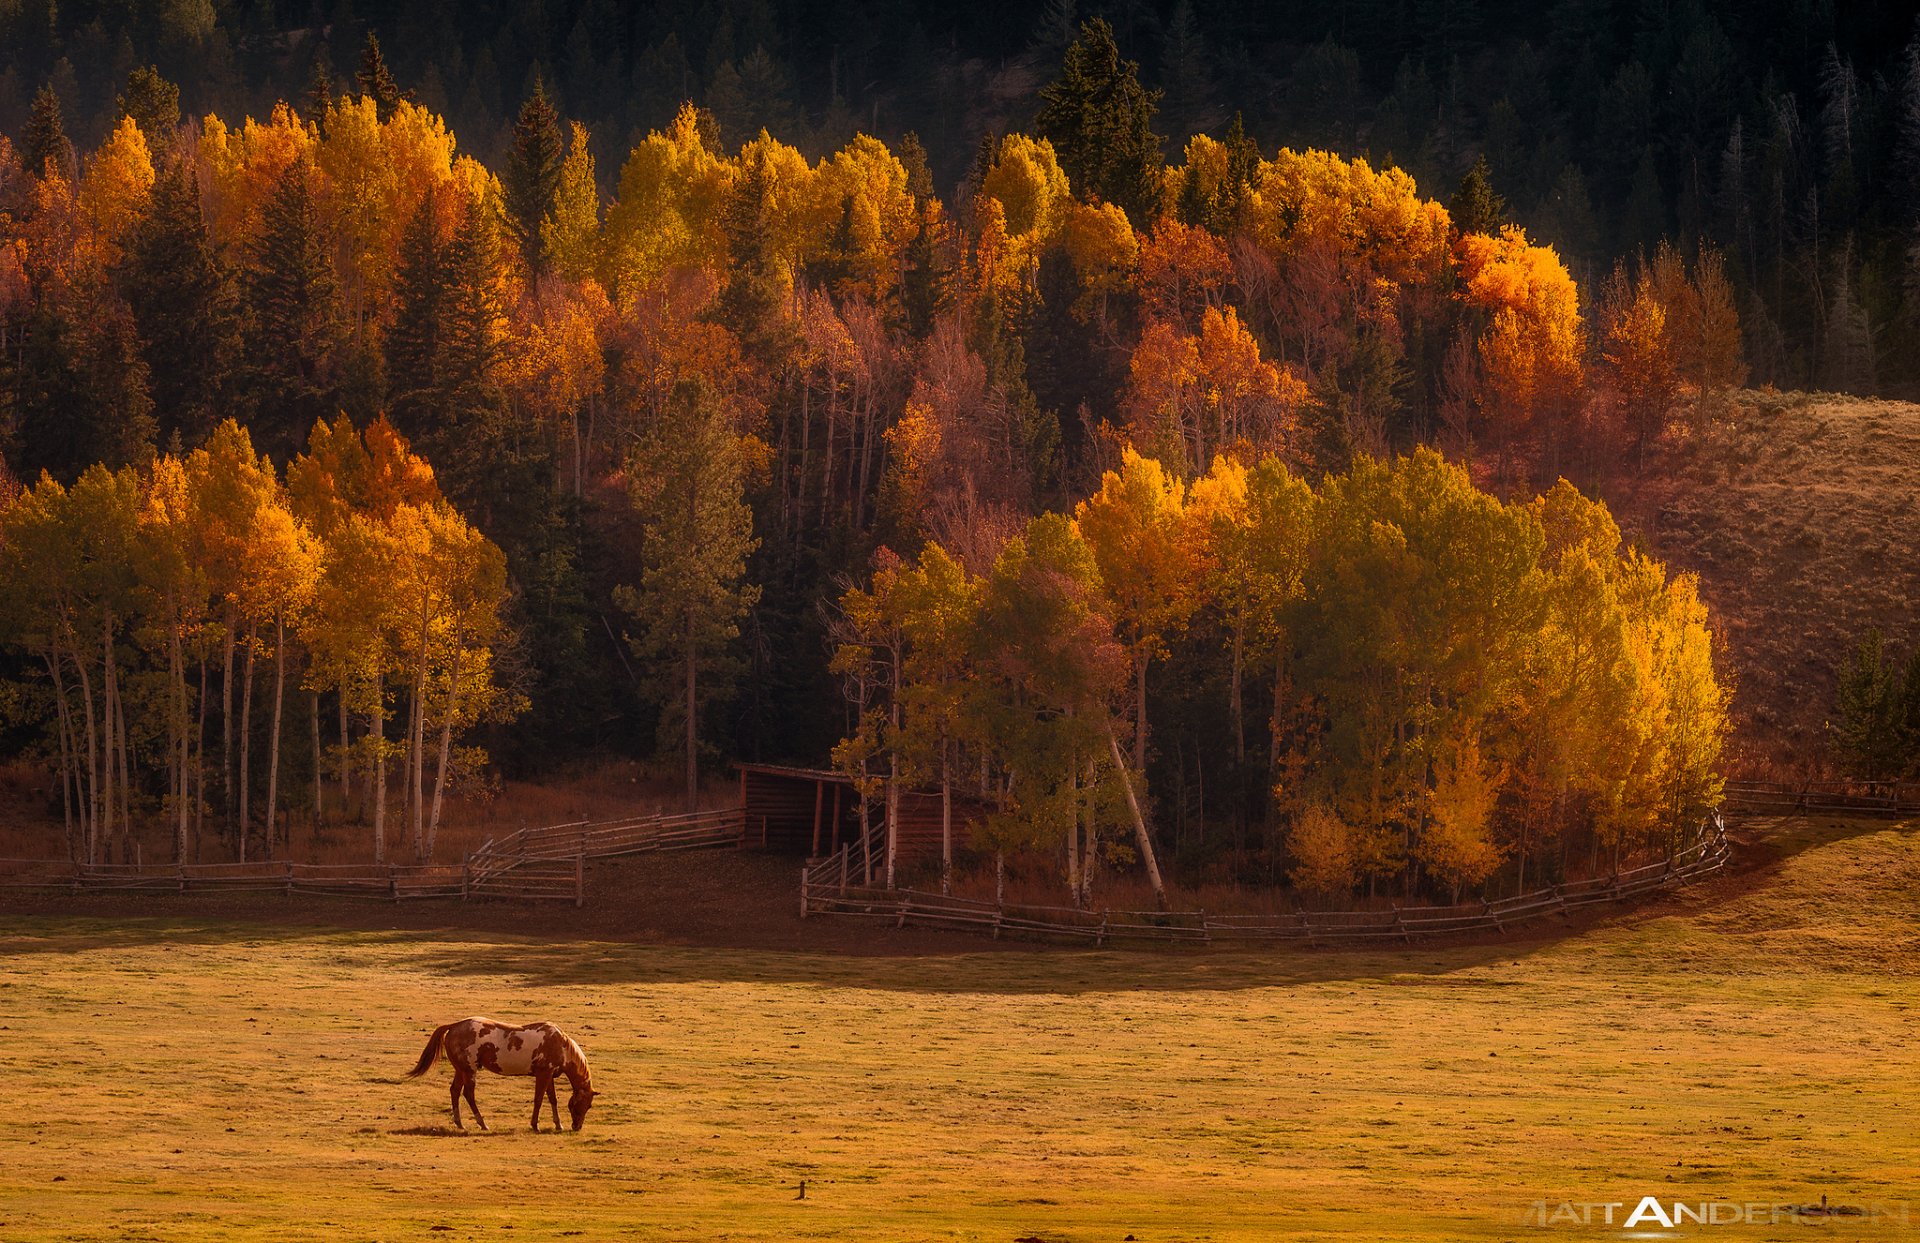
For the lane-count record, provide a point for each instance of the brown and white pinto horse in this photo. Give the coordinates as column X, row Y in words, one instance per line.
column 538, row 1049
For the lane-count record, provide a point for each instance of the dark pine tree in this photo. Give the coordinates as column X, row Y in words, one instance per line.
column 293, row 336
column 319, row 92
column 154, row 104
column 376, row 81
column 413, row 343
column 43, row 144
column 1100, row 121
column 532, row 174
column 751, row 294
column 78, row 390
column 1475, row 208
column 185, row 307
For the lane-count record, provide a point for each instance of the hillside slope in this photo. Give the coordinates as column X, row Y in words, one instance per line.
column 1798, row 513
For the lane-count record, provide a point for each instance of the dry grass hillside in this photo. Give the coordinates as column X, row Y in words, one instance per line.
column 1798, row 513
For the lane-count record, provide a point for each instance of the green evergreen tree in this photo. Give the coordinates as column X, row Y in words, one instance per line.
column 293, row 335
column 154, row 104
column 319, row 92
column 413, row 343
column 751, row 293
column 186, row 309
column 1643, row 221
column 913, row 158
column 1475, row 207
column 376, row 81
column 532, row 175
column 77, row 389
column 44, row 144
column 688, row 477
column 1871, row 733
column 1100, row 121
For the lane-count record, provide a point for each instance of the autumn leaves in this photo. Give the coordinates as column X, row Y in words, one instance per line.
column 139, row 589
column 1451, row 684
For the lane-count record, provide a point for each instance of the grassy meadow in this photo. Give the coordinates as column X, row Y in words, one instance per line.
column 177, row 1078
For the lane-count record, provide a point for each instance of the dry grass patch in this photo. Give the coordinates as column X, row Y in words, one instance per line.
column 191, row 1080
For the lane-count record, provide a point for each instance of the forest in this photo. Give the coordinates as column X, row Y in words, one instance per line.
column 1200, row 495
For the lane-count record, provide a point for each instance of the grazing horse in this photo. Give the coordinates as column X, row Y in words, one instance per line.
column 538, row 1049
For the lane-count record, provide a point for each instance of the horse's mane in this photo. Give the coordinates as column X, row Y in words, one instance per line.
column 577, row 1060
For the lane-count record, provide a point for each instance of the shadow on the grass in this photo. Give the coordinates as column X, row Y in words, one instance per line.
column 552, row 957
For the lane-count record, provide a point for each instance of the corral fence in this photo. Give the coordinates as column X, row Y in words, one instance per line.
column 829, row 886
column 545, row 864
column 1840, row 798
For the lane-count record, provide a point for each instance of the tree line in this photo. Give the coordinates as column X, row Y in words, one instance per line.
column 350, row 579
column 1425, row 686
column 1785, row 133
column 685, row 411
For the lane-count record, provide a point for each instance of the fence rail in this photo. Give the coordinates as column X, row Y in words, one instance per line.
column 828, row 887
column 1851, row 798
column 545, row 864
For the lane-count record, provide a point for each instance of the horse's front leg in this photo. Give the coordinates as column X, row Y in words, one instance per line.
column 554, row 1101
column 475, row 1105
column 541, row 1086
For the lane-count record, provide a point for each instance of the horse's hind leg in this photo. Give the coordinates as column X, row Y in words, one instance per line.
column 454, row 1093
column 473, row 1104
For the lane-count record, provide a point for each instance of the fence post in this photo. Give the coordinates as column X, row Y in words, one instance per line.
column 466, row 875
column 803, row 891
column 393, row 883
column 580, row 879
column 1401, row 925
column 181, row 869
column 843, row 868
column 289, row 878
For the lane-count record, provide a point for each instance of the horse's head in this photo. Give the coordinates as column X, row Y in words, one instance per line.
column 578, row 1104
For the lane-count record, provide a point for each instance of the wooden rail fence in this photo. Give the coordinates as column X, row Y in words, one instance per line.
column 545, row 864
column 828, row 887
column 1846, row 798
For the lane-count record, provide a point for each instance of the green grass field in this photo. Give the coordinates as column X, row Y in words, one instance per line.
column 175, row 1078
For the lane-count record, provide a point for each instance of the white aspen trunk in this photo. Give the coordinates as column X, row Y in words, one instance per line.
column 1144, row 838
column 346, row 756
column 893, row 769
column 376, row 744
column 279, row 702
column 126, row 768
column 181, row 758
column 692, row 722
column 313, row 716
column 107, row 735
column 416, row 738
column 69, row 777
column 1090, row 853
column 1140, row 713
column 246, row 739
column 946, row 822
column 1073, row 840
column 93, row 757
column 200, row 764
column 893, row 817
column 226, row 727
column 446, row 742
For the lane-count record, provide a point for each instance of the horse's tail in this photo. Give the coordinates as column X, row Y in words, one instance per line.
column 430, row 1053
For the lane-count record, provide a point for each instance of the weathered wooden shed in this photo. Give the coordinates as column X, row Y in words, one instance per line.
column 815, row 811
